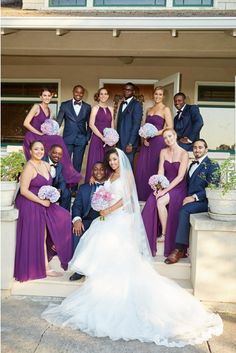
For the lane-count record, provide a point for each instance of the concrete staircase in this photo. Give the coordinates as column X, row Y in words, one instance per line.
column 61, row 286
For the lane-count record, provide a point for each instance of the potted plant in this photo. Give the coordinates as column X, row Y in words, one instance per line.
column 221, row 192
column 11, row 167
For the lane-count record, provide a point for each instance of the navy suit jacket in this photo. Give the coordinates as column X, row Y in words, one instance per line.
column 76, row 129
column 82, row 204
column 59, row 181
column 128, row 124
column 201, row 177
column 189, row 124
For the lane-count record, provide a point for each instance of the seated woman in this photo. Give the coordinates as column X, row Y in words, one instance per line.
column 173, row 164
column 33, row 121
column 43, row 228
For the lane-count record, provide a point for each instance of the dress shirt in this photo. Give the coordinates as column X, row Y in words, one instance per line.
column 77, row 107
column 127, row 101
column 52, row 169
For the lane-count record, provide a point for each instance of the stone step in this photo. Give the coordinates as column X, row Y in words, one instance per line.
column 61, row 286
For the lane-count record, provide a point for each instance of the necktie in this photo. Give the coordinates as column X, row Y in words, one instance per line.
column 178, row 114
column 193, row 162
column 77, row 102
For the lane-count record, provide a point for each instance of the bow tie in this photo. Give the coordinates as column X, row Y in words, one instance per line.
column 99, row 184
column 178, row 112
column 125, row 102
column 77, row 102
column 53, row 165
column 193, row 162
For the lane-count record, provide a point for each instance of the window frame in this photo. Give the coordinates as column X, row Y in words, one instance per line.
column 66, row 5
column 128, row 5
column 209, row 103
column 176, row 5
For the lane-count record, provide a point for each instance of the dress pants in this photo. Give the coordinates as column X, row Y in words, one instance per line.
column 182, row 234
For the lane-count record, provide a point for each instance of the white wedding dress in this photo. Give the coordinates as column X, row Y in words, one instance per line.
column 123, row 297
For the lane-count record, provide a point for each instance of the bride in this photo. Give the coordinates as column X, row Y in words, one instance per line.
column 123, row 297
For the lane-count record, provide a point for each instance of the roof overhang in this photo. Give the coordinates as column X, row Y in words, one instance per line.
column 119, row 23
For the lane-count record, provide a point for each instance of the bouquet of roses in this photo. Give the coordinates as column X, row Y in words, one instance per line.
column 148, row 130
column 101, row 200
column 50, row 127
column 48, row 192
column 158, row 182
column 111, row 136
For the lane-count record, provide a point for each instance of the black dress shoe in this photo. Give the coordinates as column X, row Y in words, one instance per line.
column 76, row 277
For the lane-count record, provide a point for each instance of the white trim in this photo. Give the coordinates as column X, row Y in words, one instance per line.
column 122, row 23
column 212, row 83
column 103, row 81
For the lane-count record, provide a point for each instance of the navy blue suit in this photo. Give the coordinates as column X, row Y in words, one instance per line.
column 128, row 125
column 197, row 184
column 189, row 124
column 59, row 183
column 82, row 208
column 76, row 132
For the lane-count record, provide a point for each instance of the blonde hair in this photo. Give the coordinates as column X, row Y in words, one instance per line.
column 169, row 129
column 159, row 88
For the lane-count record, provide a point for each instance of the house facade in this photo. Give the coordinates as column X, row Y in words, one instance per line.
column 186, row 45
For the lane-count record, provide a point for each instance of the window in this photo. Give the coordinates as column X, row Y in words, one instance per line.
column 17, row 100
column 129, row 2
column 67, row 3
column 215, row 94
column 192, row 2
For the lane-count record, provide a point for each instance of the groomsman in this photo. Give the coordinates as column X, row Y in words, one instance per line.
column 82, row 213
column 128, row 122
column 75, row 113
column 200, row 174
column 54, row 156
column 187, row 122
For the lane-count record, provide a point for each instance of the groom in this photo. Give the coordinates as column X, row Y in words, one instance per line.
column 82, row 213
column 128, row 122
column 201, row 172
column 75, row 113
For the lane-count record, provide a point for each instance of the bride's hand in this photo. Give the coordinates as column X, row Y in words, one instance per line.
column 91, row 180
column 105, row 212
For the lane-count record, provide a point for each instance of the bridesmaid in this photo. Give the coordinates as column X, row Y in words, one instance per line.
column 43, row 228
column 33, row 121
column 100, row 118
column 173, row 164
column 148, row 159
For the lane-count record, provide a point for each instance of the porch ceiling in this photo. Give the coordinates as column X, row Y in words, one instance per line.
column 134, row 43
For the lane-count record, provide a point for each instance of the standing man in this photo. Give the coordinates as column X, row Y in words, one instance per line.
column 54, row 156
column 82, row 213
column 202, row 171
column 76, row 134
column 187, row 122
column 128, row 122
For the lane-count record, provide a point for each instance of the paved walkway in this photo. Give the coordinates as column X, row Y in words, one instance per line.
column 23, row 331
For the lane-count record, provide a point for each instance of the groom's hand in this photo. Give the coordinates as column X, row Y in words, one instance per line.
column 78, row 227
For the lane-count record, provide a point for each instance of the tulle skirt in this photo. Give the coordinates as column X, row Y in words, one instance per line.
column 123, row 297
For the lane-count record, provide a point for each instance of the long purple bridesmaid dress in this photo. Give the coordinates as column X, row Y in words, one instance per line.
column 96, row 150
column 150, row 212
column 71, row 176
column 32, row 221
column 148, row 159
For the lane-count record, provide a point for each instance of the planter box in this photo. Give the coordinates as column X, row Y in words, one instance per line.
column 222, row 207
column 8, row 193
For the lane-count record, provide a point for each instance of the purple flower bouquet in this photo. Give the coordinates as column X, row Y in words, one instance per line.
column 48, row 192
column 148, row 130
column 101, row 200
column 158, row 182
column 50, row 127
column 111, row 136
